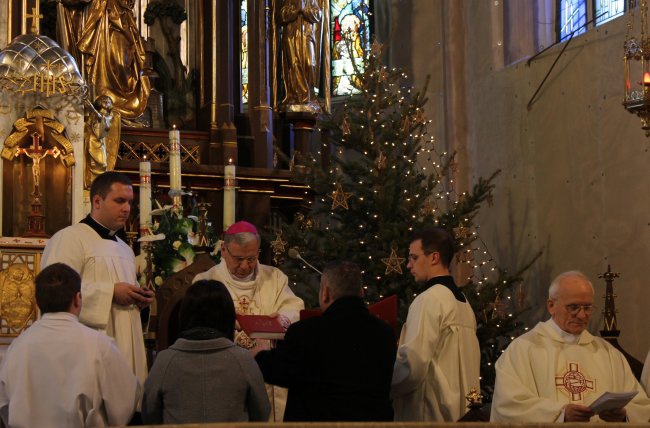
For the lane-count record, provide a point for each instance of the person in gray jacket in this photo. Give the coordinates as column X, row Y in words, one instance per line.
column 204, row 376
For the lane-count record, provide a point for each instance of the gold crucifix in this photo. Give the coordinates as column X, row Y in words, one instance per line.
column 36, row 152
column 35, row 16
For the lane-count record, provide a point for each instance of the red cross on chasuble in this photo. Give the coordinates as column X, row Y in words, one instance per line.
column 573, row 382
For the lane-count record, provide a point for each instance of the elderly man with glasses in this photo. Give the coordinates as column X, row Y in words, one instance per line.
column 256, row 289
column 556, row 370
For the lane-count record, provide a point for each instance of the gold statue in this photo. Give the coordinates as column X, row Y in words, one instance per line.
column 103, row 37
column 98, row 124
column 299, row 19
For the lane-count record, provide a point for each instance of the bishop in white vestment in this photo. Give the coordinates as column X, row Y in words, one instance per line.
column 256, row 289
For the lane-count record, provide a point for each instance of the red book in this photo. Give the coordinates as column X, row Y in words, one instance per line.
column 261, row 326
column 385, row 310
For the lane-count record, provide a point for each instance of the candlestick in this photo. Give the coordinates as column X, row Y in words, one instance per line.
column 145, row 196
column 229, row 189
column 175, row 165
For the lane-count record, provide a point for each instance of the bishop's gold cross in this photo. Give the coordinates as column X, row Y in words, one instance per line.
column 35, row 16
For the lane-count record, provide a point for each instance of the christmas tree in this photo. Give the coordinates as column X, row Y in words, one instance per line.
column 383, row 177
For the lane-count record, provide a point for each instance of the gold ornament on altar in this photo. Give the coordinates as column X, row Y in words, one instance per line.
column 17, row 299
column 278, row 245
column 339, row 197
column 393, row 263
column 636, row 64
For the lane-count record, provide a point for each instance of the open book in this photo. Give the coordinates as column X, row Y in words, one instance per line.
column 612, row 400
column 261, row 326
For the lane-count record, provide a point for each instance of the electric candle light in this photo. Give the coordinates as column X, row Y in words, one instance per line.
column 229, row 189
column 145, row 196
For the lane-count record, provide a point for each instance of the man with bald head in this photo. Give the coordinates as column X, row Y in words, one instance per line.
column 556, row 370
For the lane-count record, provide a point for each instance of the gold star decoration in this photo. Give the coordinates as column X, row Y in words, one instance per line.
column 474, row 398
column 278, row 245
column 420, row 117
column 380, row 162
column 339, row 197
column 393, row 263
column 345, row 126
column 461, row 232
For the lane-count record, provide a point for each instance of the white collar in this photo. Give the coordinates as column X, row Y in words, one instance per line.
column 567, row 337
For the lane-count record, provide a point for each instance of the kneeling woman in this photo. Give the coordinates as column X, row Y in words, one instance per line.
column 204, row 376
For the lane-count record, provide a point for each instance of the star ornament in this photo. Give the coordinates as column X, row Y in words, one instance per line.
column 278, row 246
column 393, row 263
column 340, row 198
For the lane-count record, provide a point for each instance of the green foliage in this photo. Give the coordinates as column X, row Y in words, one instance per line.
column 180, row 244
column 394, row 181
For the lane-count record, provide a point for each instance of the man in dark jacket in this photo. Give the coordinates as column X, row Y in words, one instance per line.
column 338, row 366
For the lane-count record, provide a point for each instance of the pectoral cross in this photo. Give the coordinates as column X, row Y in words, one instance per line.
column 36, row 152
column 35, row 16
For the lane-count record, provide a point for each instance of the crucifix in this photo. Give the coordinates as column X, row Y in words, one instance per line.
column 35, row 16
column 36, row 220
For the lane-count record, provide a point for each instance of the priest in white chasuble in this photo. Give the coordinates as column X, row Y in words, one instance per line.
column 256, row 289
column 112, row 298
column 556, row 370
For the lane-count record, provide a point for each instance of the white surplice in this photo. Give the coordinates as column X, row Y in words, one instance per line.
column 266, row 293
column 102, row 263
column 60, row 373
column 438, row 358
column 541, row 371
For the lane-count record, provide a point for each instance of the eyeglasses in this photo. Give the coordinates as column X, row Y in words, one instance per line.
column 414, row 257
column 240, row 259
column 574, row 309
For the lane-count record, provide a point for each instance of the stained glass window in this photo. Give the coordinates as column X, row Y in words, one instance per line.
column 244, row 51
column 606, row 10
column 573, row 17
column 350, row 32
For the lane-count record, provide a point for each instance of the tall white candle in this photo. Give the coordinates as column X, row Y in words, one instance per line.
column 145, row 196
column 174, row 162
column 229, row 189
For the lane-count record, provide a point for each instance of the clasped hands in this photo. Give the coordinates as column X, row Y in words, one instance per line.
column 128, row 294
column 580, row 413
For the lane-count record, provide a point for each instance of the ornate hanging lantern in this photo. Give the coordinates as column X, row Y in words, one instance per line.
column 636, row 62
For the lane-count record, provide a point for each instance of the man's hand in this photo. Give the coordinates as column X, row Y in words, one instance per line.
column 614, row 415
column 128, row 294
column 285, row 322
column 577, row 413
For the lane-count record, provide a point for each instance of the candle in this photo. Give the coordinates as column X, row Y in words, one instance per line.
column 174, row 163
column 229, row 189
column 646, row 78
column 145, row 196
